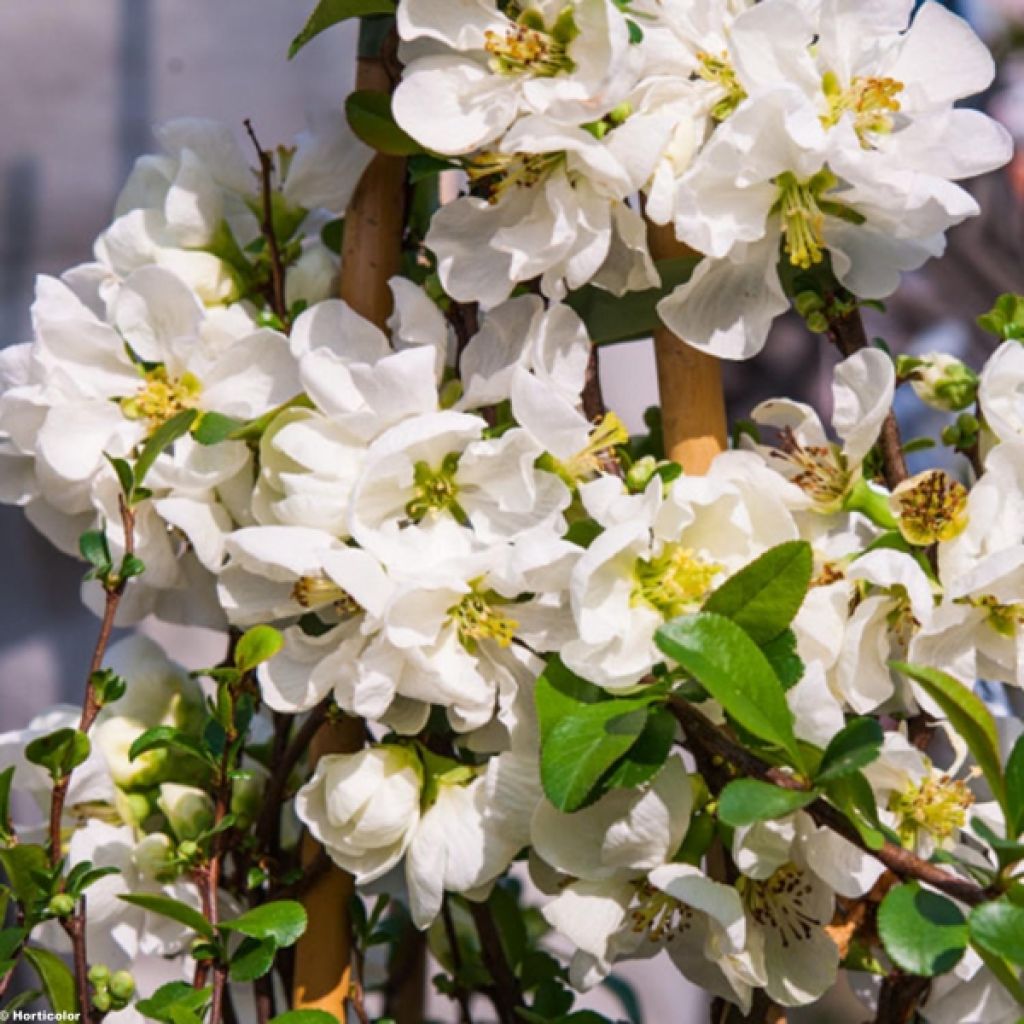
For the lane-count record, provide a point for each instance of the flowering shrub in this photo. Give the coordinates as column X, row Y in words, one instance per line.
column 475, row 633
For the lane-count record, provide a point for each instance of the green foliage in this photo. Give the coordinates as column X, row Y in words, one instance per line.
column 764, row 597
column 22, row 865
column 107, row 686
column 282, row 922
column 173, row 909
column 213, row 428
column 176, row 1003
column 971, row 719
column 924, row 933
column 783, row 658
column 167, row 737
column 852, row 748
column 6, row 780
column 999, row 928
column 1014, row 789
column 305, row 1017
column 1006, row 318
column 57, row 980
column 746, row 801
column 159, row 441
column 60, row 752
column 369, row 114
column 732, row 668
column 253, row 959
column 256, row 646
column 586, row 735
column 331, row 12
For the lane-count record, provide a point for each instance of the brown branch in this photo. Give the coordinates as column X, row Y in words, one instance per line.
column 593, row 398
column 459, row 990
column 904, row 863
column 506, row 993
column 900, row 997
column 278, row 301
column 848, row 335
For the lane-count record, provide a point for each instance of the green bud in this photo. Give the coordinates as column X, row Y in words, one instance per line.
column 188, row 849
column 61, row 905
column 808, row 302
column 122, row 986
column 99, row 975
column 967, row 424
column 944, row 383
column 102, row 1001
column 817, row 323
column 620, row 113
column 640, row 473
column 189, row 810
column 951, row 436
column 133, row 808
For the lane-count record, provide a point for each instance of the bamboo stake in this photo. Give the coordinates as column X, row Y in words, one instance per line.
column 690, row 386
column 371, row 256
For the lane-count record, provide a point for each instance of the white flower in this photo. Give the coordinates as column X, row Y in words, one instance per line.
column 1001, row 392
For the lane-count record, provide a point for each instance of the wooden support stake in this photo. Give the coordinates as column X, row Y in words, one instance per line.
column 690, row 386
column 371, row 256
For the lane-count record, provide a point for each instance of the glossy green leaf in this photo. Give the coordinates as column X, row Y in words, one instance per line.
column 256, row 646
column 1015, row 788
column 282, row 921
column 746, row 801
column 175, row 1003
column 730, row 666
column 783, row 658
column 160, row 440
column 331, row 12
column 174, row 909
column 852, row 748
column 999, row 927
column 213, row 428
column 164, row 737
column 764, row 597
column 253, row 959
column 307, row 1017
column 969, row 716
column 93, row 547
column 648, row 755
column 370, row 117
column 60, row 752
column 21, row 863
column 57, row 980
column 923, row 932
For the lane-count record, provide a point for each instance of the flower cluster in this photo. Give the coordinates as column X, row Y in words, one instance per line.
column 429, row 532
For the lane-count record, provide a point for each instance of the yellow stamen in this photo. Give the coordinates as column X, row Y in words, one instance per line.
column 162, row 397
column 478, row 617
column 871, row 101
column 674, row 582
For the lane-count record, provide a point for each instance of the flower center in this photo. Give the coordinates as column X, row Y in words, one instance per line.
column 659, row 915
column 674, row 582
column 803, row 217
column 319, row 591
column 779, row 903
column 931, row 507
column 162, row 397
column 528, row 47
column 478, row 617
column 611, row 431
column 493, row 174
column 871, row 101
column 1003, row 618
column 435, row 490
column 818, row 470
column 719, row 71
column 937, row 805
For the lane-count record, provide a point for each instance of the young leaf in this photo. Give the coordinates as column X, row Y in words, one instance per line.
column 94, row 549
column 60, row 752
column 746, row 801
column 213, row 428
column 253, row 959
column 259, row 644
column 1015, row 789
column 174, row 909
column 6, row 778
column 161, row 439
column 969, row 716
column 764, row 597
column 282, row 921
column 924, row 933
column 730, row 666
column 21, row 864
column 175, row 1003
column 307, row 1017
column 58, row 982
column 853, row 747
column 369, row 114
column 999, row 927
column 166, row 736
column 331, row 12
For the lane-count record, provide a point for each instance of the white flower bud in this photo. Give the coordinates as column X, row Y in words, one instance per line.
column 189, row 811
column 364, row 807
column 153, row 855
column 944, row 383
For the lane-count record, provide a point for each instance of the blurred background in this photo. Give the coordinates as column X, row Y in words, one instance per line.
column 82, row 83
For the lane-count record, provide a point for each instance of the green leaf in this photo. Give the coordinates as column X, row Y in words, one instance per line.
column 852, row 748
column 58, row 982
column 258, row 645
column 21, row 863
column 783, row 658
column 164, row 737
column 369, row 114
column 6, row 779
column 213, row 428
column 730, row 666
column 746, row 801
column 1015, row 789
column 331, row 12
column 924, row 933
column 283, row 922
column 307, row 1017
column 161, row 439
column 611, row 319
column 60, row 752
column 125, row 474
column 10, row 940
column 648, row 754
column 764, row 597
column 971, row 719
column 175, row 1003
column 253, row 959
column 999, row 927
column 94, row 549
column 174, row 909
column 1007, row 851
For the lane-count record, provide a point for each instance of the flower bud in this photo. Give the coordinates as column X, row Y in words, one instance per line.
column 122, row 986
column 133, row 808
column 99, row 975
column 944, row 383
column 102, row 1001
column 62, row 905
column 153, row 856
column 364, row 807
column 189, row 811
